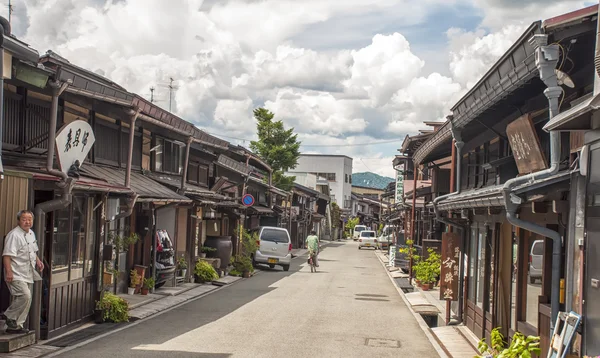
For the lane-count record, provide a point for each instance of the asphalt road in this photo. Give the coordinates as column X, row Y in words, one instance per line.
column 347, row 309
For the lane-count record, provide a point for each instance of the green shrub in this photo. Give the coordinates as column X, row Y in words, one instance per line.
column 235, row 272
column 115, row 308
column 242, row 263
column 205, row 272
column 520, row 346
column 149, row 282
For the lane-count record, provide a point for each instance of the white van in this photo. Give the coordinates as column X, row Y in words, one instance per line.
column 357, row 230
column 387, row 236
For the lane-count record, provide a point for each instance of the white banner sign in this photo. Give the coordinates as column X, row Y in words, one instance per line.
column 73, row 143
column 392, row 256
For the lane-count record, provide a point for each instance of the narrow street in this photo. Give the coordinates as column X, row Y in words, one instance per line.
column 348, row 309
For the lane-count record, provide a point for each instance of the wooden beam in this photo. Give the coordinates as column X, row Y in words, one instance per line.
column 479, row 211
column 560, row 206
column 539, row 207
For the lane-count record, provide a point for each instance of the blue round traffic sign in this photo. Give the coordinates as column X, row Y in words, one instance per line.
column 248, row 200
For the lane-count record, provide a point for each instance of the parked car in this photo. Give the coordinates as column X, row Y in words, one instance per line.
column 387, row 237
column 367, row 238
column 274, row 247
column 357, row 230
column 165, row 259
column 536, row 260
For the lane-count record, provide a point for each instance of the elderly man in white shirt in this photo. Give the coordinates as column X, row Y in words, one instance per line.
column 20, row 261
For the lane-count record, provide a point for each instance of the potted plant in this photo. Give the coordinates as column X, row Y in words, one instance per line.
column 182, row 264
column 134, row 280
column 205, row 250
column 204, row 272
column 148, row 284
column 242, row 266
column 111, row 308
column 122, row 243
column 99, row 310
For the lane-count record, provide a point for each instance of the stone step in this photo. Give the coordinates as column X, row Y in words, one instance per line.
column 12, row 342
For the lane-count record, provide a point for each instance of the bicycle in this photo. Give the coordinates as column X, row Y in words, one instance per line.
column 311, row 263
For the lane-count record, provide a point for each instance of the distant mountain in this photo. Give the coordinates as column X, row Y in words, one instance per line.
column 371, row 180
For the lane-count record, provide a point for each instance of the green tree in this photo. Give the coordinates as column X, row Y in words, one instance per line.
column 279, row 147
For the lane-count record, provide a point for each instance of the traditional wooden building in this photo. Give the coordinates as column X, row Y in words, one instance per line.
column 146, row 170
column 509, row 201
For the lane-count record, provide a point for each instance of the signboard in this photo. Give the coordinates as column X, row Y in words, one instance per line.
column 525, row 145
column 392, row 261
column 399, row 182
column 450, row 263
column 248, row 200
column 73, row 143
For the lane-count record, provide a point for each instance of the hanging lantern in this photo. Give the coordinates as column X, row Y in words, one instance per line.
column 210, row 213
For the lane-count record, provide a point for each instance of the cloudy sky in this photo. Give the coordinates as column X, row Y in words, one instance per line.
column 343, row 73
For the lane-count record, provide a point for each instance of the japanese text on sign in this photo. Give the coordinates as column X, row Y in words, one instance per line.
column 450, row 265
column 73, row 143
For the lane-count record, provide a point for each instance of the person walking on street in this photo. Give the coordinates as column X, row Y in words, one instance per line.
column 312, row 244
column 20, row 262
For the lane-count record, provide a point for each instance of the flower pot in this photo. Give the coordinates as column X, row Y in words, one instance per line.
column 431, row 286
column 141, row 270
column 203, row 255
column 131, row 290
column 246, row 274
column 425, row 287
column 183, row 272
column 99, row 316
column 145, row 291
column 198, row 279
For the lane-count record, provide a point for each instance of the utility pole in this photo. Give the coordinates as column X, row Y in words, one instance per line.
column 170, row 93
column 10, row 11
column 151, row 94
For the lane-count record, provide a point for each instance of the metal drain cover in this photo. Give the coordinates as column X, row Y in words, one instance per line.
column 371, row 299
column 382, row 343
column 369, row 295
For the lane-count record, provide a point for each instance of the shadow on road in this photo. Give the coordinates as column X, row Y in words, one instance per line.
column 183, row 319
column 179, row 354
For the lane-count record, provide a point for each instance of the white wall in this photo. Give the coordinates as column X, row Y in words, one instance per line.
column 305, row 179
column 340, row 165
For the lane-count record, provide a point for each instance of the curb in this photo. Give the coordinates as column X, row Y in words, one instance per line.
column 424, row 327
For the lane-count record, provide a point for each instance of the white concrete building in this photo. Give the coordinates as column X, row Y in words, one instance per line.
column 337, row 169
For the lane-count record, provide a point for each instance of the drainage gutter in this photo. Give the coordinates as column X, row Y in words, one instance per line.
column 546, row 57
column 66, row 184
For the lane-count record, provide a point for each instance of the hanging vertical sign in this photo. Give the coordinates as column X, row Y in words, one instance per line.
column 450, row 261
column 399, row 182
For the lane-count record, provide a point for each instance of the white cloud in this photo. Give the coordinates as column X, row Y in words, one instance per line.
column 499, row 13
column 228, row 57
column 473, row 53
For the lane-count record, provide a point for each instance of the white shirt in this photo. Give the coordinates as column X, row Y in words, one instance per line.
column 22, row 247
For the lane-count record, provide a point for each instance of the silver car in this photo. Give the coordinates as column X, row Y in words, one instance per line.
column 536, row 260
column 274, row 248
